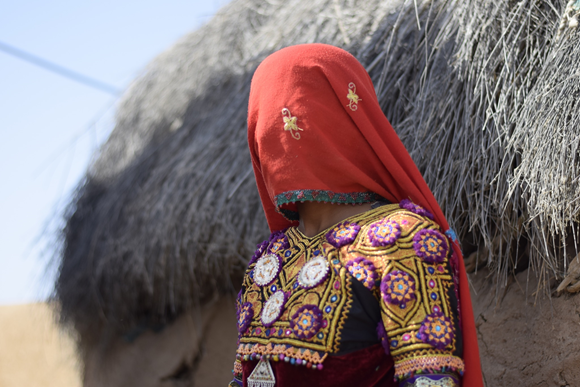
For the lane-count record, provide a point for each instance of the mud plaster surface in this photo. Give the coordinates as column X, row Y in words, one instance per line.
column 524, row 340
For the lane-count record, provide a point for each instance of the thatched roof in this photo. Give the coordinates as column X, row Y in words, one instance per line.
column 482, row 92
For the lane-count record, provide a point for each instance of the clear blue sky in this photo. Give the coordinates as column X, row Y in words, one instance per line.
column 47, row 122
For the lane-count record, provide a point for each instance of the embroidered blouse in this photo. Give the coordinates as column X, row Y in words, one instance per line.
column 379, row 287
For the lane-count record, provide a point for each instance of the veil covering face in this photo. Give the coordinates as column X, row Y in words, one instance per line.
column 316, row 132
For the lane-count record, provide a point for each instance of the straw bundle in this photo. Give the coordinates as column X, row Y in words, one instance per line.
column 483, row 94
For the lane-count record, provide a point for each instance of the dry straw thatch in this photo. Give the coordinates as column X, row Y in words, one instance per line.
column 482, row 92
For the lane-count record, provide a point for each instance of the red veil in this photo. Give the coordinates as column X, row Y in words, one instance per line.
column 316, row 132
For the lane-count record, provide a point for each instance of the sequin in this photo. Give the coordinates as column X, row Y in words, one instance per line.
column 343, row 234
column 364, row 271
column 437, row 330
column 267, row 269
column 398, row 287
column 384, row 233
column 306, row 322
column 313, row 273
column 430, row 245
column 273, row 308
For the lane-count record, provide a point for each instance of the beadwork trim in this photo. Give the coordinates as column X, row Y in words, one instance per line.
column 433, row 363
column 287, row 351
column 313, row 273
column 315, row 195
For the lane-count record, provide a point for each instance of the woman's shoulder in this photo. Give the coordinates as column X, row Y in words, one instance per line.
column 390, row 232
column 383, row 227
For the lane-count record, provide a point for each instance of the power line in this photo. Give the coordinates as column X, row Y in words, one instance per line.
column 70, row 74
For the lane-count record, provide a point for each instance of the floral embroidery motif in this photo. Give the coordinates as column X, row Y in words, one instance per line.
column 436, row 330
column 290, row 124
column 363, row 270
column 352, row 97
column 384, row 233
column 278, row 242
column 267, row 269
column 273, row 308
column 306, row 321
column 430, row 245
column 398, row 288
column 245, row 316
column 428, row 288
column 409, row 205
column 313, row 273
column 343, row 234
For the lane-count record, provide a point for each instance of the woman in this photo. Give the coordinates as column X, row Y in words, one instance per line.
column 359, row 283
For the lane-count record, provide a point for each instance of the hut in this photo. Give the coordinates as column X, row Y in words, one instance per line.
column 484, row 95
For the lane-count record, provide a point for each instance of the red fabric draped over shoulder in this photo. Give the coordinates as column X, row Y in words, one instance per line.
column 316, row 132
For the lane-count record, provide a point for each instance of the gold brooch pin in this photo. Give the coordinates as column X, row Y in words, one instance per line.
column 290, row 124
column 352, row 97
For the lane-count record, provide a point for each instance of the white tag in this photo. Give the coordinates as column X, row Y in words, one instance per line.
column 262, row 375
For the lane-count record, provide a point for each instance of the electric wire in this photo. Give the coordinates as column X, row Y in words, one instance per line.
column 55, row 68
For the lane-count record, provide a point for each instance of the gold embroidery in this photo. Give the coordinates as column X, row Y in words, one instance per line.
column 352, row 97
column 434, row 289
column 331, row 296
column 290, row 124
